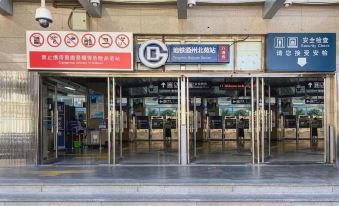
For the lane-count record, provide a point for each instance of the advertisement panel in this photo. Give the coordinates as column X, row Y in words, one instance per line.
column 81, row 51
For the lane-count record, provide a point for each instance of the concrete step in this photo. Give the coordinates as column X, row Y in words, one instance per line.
column 85, row 194
column 219, row 189
column 128, row 199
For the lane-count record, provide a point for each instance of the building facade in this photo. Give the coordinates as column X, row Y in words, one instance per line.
column 207, row 125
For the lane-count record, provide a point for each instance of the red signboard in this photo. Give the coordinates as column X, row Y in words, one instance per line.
column 78, row 51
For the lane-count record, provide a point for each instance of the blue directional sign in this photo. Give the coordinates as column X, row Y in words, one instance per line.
column 301, row 52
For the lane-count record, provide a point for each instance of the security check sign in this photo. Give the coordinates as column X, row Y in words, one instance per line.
column 79, row 51
column 301, row 52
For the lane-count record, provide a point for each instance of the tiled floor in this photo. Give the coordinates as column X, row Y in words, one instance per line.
column 211, row 152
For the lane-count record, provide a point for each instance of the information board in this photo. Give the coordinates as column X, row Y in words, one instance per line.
column 301, row 52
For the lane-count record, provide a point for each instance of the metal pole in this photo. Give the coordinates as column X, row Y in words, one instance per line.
column 325, row 118
column 183, row 123
column 121, row 121
column 252, row 120
column 257, row 118
column 269, row 121
column 195, row 125
column 114, row 118
column 179, row 121
column 109, row 118
column 187, row 120
column 263, row 120
column 56, row 119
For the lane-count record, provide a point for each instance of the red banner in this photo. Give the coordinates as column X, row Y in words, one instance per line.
column 74, row 60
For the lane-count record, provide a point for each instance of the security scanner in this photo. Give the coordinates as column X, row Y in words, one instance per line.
column 303, row 127
column 157, row 128
column 246, row 126
column 174, row 130
column 215, row 127
column 290, row 127
column 230, row 129
column 142, row 128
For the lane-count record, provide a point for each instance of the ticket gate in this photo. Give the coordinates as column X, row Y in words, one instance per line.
column 142, row 128
column 174, row 128
column 290, row 127
column 230, row 128
column 317, row 129
column 303, row 127
column 157, row 128
column 246, row 126
column 215, row 128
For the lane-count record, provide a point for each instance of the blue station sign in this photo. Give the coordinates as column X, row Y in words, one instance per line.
column 157, row 54
column 301, row 52
column 198, row 53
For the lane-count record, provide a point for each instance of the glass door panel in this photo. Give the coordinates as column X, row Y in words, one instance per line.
column 49, row 118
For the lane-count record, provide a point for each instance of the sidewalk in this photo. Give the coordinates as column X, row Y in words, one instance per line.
column 265, row 174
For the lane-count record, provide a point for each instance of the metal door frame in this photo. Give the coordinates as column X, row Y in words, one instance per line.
column 252, row 127
column 269, row 126
column 54, row 122
column 111, row 131
column 179, row 75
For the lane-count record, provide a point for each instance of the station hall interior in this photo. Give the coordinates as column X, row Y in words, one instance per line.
column 221, row 114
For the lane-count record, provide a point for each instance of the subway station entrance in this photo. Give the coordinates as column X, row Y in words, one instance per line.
column 184, row 120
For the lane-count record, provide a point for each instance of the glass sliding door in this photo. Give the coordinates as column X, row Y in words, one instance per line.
column 144, row 119
column 221, row 120
column 49, row 123
column 292, row 119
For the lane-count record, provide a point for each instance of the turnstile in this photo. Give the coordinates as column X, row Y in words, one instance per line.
column 215, row 128
column 174, row 129
column 157, row 128
column 142, row 128
column 303, row 127
column 230, row 127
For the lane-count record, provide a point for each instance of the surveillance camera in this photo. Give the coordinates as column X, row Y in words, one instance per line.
column 288, row 3
column 95, row 3
column 43, row 16
column 191, row 3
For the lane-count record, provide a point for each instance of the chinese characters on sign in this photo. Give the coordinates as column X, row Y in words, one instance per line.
column 198, row 53
column 78, row 51
column 301, row 52
column 241, row 101
column 314, row 101
column 167, row 101
column 223, row 86
column 169, row 85
column 195, row 53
